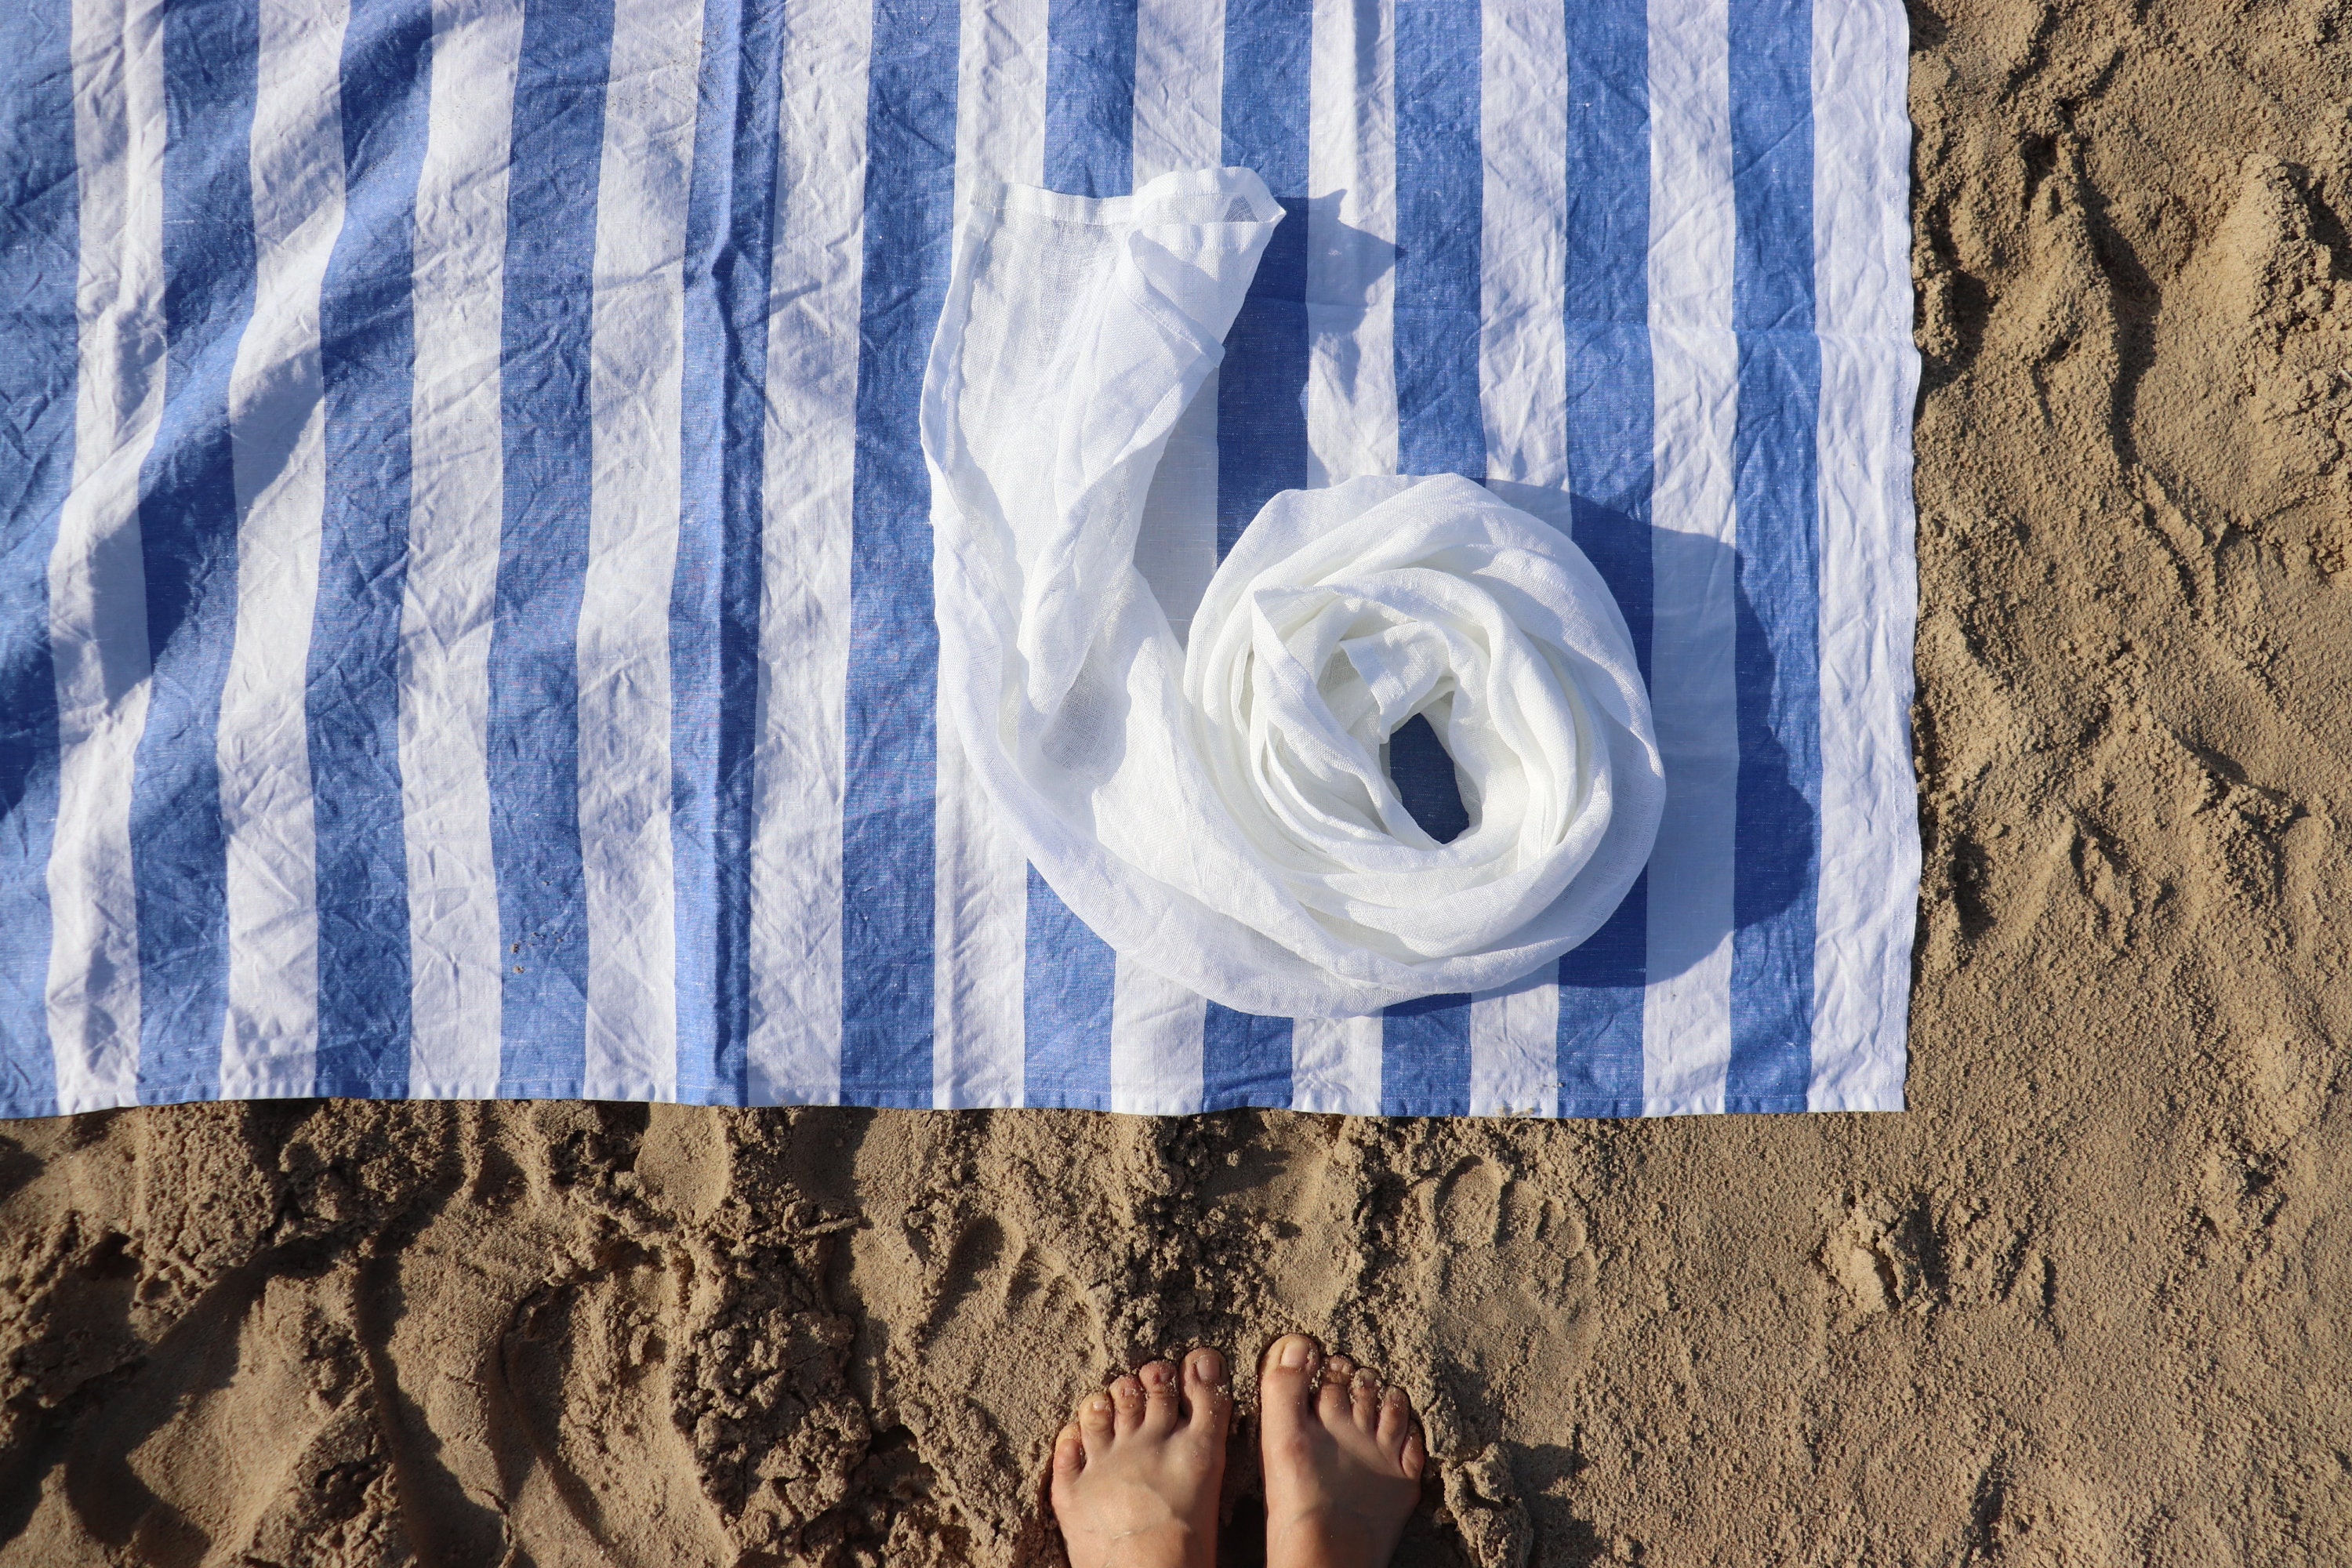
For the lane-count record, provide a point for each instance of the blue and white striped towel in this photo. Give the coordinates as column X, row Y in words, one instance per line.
column 465, row 603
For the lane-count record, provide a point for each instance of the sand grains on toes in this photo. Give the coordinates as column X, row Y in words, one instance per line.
column 1136, row 1472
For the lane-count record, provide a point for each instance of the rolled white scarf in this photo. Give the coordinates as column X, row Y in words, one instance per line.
column 1221, row 812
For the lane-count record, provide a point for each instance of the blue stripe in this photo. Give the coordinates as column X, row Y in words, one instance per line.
column 1423, row 771
column 1440, row 190
column 1066, row 1007
column 534, row 718
column 1425, row 1058
column 1068, row 972
column 1261, row 406
column 39, row 220
column 1262, row 383
column 1262, row 380
column 1775, row 660
column 187, row 526
column 888, row 860
column 715, row 596
column 1610, row 465
column 1246, row 1060
column 1264, row 108
column 1090, row 97
column 367, row 352
column 1600, row 989
column 1440, row 183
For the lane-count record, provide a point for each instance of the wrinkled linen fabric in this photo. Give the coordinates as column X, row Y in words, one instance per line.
column 471, row 620
column 1221, row 810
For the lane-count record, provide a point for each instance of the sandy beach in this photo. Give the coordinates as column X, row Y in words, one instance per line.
column 2086, row 1303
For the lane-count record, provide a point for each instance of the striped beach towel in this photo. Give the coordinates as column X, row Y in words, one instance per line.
column 466, row 620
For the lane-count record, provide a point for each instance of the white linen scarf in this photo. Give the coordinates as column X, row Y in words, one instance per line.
column 1221, row 811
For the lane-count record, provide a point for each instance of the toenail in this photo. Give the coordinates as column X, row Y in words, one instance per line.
column 1296, row 1352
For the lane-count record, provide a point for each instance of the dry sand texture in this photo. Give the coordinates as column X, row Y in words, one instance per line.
column 2084, row 1305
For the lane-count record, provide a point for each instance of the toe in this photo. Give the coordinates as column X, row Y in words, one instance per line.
column 1291, row 1365
column 1396, row 1422
column 1332, row 1400
column 1415, row 1457
column 1364, row 1401
column 1205, row 1391
column 1160, row 1409
column 1285, row 1380
column 1069, row 1462
column 1094, row 1424
column 1127, row 1403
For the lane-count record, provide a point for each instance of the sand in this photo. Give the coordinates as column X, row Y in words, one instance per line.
column 2084, row 1304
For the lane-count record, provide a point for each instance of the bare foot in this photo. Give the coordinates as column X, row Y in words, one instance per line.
column 1343, row 1459
column 1136, row 1475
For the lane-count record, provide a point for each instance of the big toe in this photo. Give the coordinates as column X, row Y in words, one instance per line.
column 1286, row 1379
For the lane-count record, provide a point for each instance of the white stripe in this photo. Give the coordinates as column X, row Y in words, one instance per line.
column 98, row 624
column 1157, row 1048
column 1000, row 96
column 269, row 1038
column 1351, row 418
column 1861, row 181
column 1180, row 68
column 1515, row 1050
column 793, row 1054
column 637, row 373
column 1351, row 241
column 980, row 888
column 1523, row 404
column 456, row 487
column 1180, row 54
column 1156, row 1029
column 981, row 927
column 1335, row 1066
column 1686, row 1012
column 1523, row 254
column 1869, row 826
